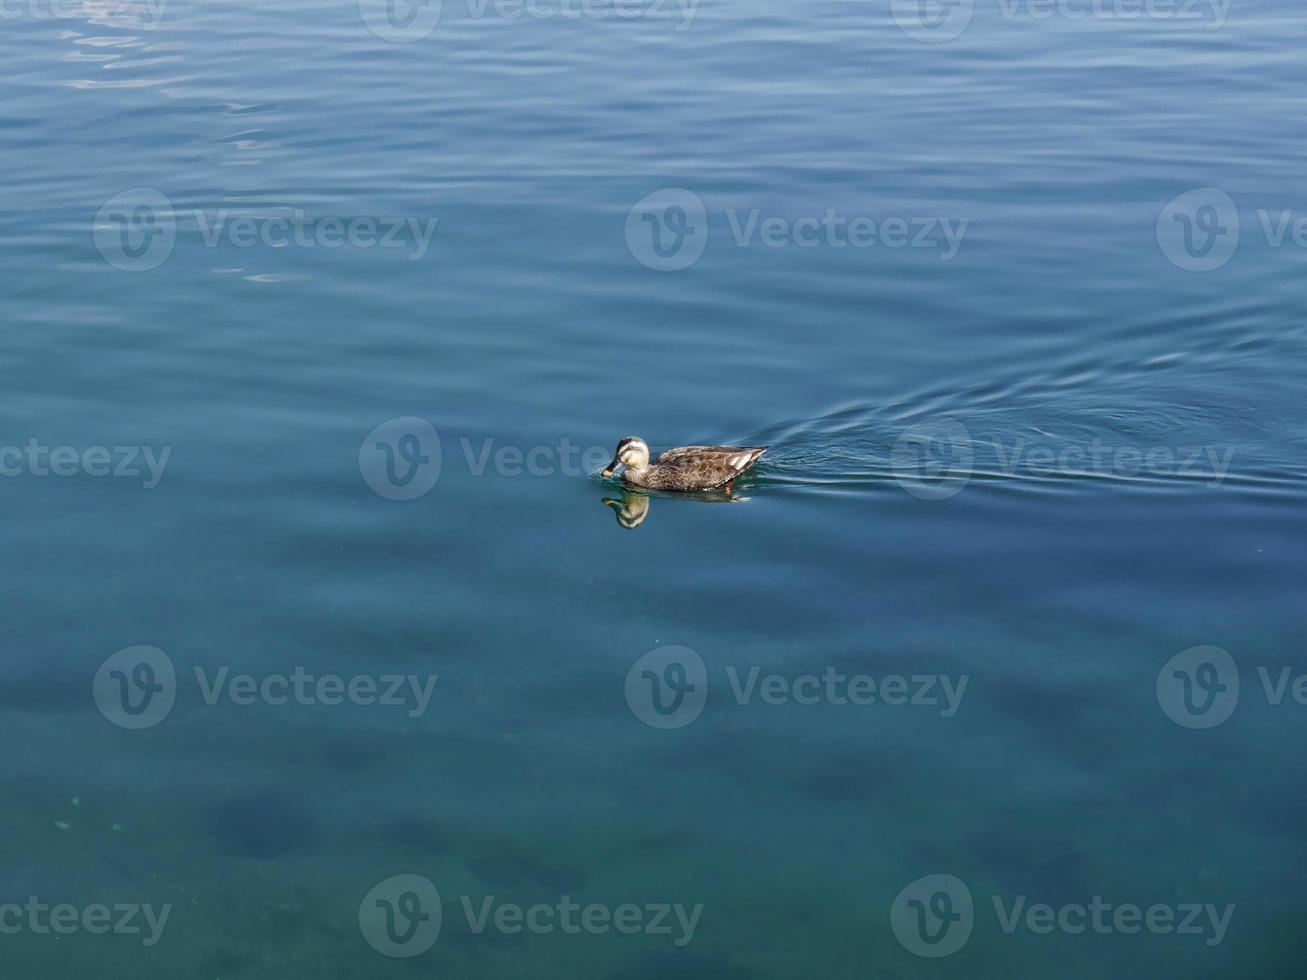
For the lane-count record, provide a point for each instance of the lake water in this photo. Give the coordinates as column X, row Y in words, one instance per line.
column 319, row 321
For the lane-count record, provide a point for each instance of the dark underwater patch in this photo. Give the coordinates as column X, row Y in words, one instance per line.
column 263, row 824
column 684, row 965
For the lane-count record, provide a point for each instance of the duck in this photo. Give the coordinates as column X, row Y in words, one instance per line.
column 689, row 469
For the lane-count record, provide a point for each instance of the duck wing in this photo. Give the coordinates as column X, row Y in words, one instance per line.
column 707, row 467
column 723, row 453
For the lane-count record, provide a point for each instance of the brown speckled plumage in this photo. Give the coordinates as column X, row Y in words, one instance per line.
column 688, row 469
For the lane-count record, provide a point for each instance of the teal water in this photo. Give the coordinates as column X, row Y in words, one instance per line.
column 1043, row 451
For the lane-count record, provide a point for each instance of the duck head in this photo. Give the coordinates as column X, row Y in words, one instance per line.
column 631, row 453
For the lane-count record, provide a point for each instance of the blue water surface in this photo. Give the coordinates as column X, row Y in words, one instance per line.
column 320, row 319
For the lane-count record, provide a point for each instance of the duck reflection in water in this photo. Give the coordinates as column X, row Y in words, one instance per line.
column 631, row 509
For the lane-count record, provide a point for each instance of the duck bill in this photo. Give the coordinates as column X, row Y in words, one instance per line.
column 611, row 468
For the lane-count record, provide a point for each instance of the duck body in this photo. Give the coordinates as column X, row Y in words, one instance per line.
column 688, row 469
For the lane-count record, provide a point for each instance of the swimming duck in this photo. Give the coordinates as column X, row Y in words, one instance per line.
column 688, row 469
